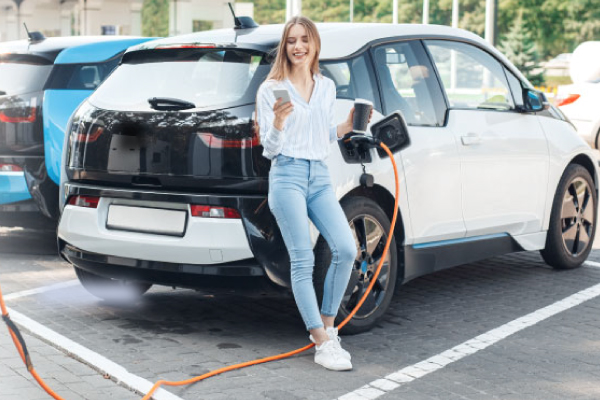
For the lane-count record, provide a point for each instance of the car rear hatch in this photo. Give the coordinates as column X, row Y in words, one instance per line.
column 178, row 117
column 22, row 78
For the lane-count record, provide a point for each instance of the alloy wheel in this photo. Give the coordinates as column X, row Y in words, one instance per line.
column 370, row 238
column 577, row 217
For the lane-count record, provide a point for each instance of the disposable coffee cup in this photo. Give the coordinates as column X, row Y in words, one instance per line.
column 362, row 110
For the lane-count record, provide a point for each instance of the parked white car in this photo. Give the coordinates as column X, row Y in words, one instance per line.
column 165, row 182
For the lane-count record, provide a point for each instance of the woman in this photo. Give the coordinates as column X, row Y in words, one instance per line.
column 296, row 136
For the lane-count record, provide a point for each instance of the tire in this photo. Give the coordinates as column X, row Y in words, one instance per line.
column 111, row 289
column 572, row 220
column 364, row 216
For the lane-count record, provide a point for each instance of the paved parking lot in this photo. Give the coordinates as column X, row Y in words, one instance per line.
column 506, row 328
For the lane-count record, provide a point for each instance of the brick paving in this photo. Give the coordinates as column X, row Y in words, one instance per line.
column 177, row 334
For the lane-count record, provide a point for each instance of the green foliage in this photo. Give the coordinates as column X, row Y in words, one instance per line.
column 555, row 26
column 155, row 18
column 520, row 48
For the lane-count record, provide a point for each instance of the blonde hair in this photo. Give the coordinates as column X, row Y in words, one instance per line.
column 282, row 65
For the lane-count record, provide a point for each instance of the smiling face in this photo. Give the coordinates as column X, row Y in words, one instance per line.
column 299, row 47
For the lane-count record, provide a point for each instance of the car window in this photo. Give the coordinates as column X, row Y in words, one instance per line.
column 353, row 79
column 22, row 73
column 471, row 77
column 516, row 87
column 81, row 76
column 408, row 83
column 207, row 77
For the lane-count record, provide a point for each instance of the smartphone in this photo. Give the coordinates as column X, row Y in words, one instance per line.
column 283, row 94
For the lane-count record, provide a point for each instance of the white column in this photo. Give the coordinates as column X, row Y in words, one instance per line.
column 425, row 11
column 292, row 8
column 489, row 20
column 136, row 19
column 351, row 10
column 395, row 12
column 453, row 71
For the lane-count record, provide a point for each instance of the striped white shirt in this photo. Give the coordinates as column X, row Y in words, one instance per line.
column 308, row 130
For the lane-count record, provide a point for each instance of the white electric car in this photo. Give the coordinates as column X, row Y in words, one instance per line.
column 164, row 181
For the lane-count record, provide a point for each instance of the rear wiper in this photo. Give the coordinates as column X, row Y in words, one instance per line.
column 169, row 104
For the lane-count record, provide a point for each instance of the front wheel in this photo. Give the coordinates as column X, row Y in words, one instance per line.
column 370, row 227
column 111, row 289
column 572, row 221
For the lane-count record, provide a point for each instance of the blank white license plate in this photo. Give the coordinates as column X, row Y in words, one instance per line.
column 148, row 220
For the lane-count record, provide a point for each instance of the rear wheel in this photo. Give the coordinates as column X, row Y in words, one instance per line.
column 573, row 220
column 111, row 289
column 370, row 227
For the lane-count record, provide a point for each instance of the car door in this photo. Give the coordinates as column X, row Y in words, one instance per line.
column 503, row 152
column 431, row 163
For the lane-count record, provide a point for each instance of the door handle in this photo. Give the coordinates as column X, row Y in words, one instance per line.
column 471, row 138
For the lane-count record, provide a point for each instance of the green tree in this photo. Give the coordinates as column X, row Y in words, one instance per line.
column 155, row 18
column 520, row 48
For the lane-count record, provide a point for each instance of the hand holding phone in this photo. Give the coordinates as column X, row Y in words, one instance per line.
column 282, row 94
column 282, row 108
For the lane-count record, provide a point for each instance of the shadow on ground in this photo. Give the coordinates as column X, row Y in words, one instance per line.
column 27, row 233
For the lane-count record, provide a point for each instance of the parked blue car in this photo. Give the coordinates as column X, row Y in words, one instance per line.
column 41, row 83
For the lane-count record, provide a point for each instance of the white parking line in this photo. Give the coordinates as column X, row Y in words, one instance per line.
column 382, row 386
column 77, row 351
column 56, row 286
column 89, row 357
column 592, row 264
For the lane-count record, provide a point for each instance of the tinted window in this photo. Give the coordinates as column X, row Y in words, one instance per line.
column 471, row 77
column 22, row 74
column 209, row 78
column 352, row 79
column 408, row 83
column 80, row 76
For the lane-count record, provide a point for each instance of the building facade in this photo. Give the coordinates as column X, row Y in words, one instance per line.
column 121, row 17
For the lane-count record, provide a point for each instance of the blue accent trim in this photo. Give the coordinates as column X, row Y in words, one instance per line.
column 103, row 49
column 457, row 241
column 57, row 107
column 13, row 187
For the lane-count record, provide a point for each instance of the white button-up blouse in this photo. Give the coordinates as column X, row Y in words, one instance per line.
column 308, row 130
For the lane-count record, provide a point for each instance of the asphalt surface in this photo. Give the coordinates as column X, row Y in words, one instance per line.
column 178, row 334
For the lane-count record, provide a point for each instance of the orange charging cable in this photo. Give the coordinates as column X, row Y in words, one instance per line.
column 20, row 344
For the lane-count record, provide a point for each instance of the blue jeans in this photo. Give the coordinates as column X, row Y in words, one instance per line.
column 300, row 189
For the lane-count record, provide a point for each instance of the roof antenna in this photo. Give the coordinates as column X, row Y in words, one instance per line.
column 34, row 36
column 242, row 22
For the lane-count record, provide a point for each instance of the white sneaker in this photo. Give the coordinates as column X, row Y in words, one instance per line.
column 333, row 335
column 329, row 356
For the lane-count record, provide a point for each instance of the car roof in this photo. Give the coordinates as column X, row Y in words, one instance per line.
column 338, row 39
column 97, row 51
column 50, row 47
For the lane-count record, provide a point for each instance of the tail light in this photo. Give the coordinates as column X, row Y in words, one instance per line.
column 215, row 142
column 214, row 212
column 10, row 168
column 567, row 100
column 87, row 136
column 28, row 116
column 84, row 201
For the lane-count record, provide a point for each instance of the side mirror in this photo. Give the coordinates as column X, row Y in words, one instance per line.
column 534, row 101
column 393, row 132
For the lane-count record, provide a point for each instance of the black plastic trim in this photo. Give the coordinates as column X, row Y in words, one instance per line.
column 423, row 261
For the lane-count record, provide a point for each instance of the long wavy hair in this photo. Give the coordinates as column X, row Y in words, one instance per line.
column 282, row 65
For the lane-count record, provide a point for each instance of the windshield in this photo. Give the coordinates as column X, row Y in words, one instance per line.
column 208, row 78
column 21, row 74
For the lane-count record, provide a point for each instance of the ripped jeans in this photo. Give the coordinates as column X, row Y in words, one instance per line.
column 300, row 189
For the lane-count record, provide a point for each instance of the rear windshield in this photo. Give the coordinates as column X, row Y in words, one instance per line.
column 81, row 76
column 22, row 73
column 208, row 78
